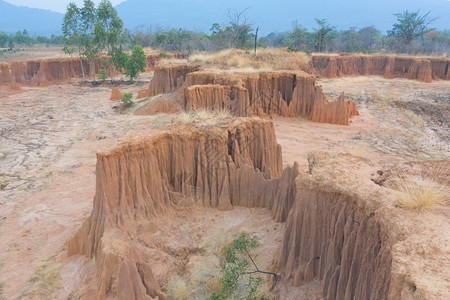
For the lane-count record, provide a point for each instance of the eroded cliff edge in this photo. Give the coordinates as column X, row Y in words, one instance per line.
column 145, row 177
column 422, row 69
column 250, row 93
column 341, row 228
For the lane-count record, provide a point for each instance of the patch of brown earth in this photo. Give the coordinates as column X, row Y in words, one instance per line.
column 116, row 94
column 158, row 106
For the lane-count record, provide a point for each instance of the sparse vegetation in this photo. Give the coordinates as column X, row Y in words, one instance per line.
column 47, row 277
column 178, row 288
column 360, row 151
column 202, row 117
column 4, row 182
column 263, row 59
column 415, row 119
column 421, row 192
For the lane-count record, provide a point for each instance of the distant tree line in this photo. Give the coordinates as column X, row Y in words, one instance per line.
column 411, row 34
column 90, row 30
column 22, row 38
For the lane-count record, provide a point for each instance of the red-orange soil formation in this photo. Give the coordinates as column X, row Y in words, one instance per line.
column 6, row 81
column 167, row 78
column 116, row 95
column 284, row 93
column 422, row 69
column 144, row 177
column 159, row 106
column 339, row 230
column 54, row 71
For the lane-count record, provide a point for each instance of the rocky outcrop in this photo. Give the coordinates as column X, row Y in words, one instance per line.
column 284, row 93
column 422, row 69
column 143, row 178
column 167, row 78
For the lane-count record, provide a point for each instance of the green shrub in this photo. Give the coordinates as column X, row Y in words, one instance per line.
column 164, row 54
column 236, row 271
column 127, row 99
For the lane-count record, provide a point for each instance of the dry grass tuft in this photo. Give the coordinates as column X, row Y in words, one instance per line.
column 216, row 243
column 178, row 288
column 420, row 192
column 415, row 119
column 360, row 151
column 202, row 117
column 270, row 59
column 48, row 277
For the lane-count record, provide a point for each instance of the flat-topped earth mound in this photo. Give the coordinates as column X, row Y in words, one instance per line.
column 424, row 69
column 263, row 60
column 249, row 92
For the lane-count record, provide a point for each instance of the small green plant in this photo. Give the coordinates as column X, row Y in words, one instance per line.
column 4, row 183
column 236, row 271
column 127, row 99
column 164, row 54
column 102, row 75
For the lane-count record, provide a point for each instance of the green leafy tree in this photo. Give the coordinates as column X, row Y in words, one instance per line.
column 411, row 26
column 88, row 19
column 322, row 35
column 173, row 39
column 369, row 37
column 298, row 39
column 108, row 32
column 351, row 40
column 120, row 60
column 72, row 33
column 136, row 63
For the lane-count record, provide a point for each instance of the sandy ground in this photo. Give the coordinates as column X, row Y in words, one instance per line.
column 48, row 140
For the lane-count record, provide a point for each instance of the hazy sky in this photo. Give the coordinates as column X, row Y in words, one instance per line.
column 55, row 5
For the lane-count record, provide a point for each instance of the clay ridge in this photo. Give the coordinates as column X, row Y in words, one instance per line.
column 284, row 93
column 55, row 71
column 422, row 69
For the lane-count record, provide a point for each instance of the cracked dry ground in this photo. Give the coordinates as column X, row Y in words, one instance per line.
column 48, row 139
column 49, row 136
